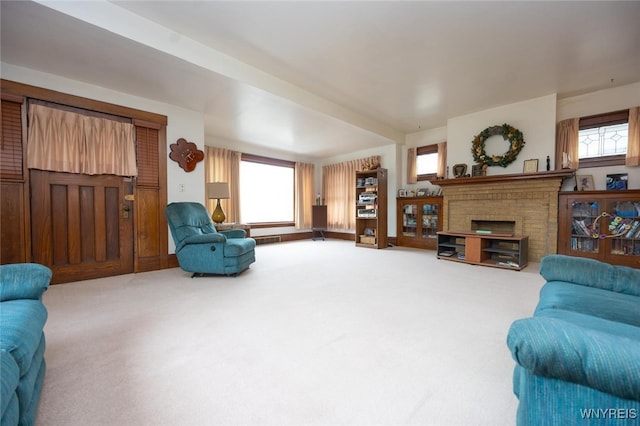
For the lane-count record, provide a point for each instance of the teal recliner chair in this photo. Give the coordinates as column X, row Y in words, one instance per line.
column 203, row 250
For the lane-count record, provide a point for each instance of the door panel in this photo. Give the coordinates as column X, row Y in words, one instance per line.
column 80, row 228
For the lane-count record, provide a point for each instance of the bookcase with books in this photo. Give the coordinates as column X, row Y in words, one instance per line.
column 419, row 219
column 371, row 209
column 602, row 225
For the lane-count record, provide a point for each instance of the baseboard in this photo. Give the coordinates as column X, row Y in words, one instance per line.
column 173, row 261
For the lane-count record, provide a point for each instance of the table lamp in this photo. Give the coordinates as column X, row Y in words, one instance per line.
column 219, row 190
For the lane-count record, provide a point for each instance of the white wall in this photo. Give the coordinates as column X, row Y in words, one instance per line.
column 414, row 140
column 182, row 123
column 535, row 118
column 599, row 102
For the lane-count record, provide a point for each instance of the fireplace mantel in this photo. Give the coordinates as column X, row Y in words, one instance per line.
column 504, row 178
column 529, row 200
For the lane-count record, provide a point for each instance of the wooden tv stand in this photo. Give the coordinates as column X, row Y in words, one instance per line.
column 496, row 250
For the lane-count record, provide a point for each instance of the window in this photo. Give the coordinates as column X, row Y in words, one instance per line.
column 602, row 139
column 266, row 191
column 427, row 162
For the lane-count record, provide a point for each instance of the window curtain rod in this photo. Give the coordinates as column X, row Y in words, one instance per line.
column 80, row 111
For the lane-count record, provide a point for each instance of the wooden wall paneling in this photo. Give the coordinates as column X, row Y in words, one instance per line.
column 15, row 89
column 15, row 235
column 74, row 235
column 151, row 244
column 87, row 223
column 41, row 219
column 59, row 221
column 21, row 249
column 82, row 231
column 113, row 211
column 99, row 221
column 148, row 230
column 12, row 223
column 162, row 198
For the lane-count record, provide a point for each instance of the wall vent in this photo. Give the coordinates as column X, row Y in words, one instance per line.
column 267, row 239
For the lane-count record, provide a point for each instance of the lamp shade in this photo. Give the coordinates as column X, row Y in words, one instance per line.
column 218, row 190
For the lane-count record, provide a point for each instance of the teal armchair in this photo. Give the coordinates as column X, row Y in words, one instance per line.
column 201, row 249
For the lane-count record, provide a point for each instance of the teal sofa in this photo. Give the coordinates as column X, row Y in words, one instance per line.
column 201, row 249
column 22, row 343
column 578, row 357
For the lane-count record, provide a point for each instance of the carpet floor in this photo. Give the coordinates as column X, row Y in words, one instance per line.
column 314, row 333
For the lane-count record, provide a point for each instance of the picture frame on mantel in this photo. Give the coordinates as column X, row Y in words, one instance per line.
column 530, row 166
column 479, row 170
column 584, row 183
column 459, row 170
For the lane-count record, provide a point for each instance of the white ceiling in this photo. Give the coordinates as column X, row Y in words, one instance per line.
column 319, row 79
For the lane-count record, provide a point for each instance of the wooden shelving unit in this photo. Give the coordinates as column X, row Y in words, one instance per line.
column 419, row 220
column 495, row 250
column 371, row 209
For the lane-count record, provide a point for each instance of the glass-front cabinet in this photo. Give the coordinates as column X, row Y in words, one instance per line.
column 603, row 225
column 419, row 220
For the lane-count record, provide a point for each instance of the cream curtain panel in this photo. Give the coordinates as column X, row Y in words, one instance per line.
column 412, row 154
column 223, row 165
column 442, row 159
column 412, row 173
column 65, row 141
column 304, row 194
column 567, row 143
column 339, row 189
column 633, row 146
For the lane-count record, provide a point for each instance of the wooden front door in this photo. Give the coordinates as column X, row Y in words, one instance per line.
column 82, row 226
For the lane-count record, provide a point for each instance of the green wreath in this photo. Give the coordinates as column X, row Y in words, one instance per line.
column 510, row 133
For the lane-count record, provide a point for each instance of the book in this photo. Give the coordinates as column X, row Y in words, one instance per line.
column 483, row 231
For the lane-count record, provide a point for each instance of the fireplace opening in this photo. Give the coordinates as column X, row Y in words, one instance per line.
column 494, row 226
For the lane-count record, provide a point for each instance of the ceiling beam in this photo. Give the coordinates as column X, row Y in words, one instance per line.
column 124, row 23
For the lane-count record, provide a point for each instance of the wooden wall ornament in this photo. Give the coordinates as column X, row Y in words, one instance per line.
column 186, row 154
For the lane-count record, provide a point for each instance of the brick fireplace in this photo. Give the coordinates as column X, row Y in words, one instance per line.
column 522, row 204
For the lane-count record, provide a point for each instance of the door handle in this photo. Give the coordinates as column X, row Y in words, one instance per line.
column 125, row 211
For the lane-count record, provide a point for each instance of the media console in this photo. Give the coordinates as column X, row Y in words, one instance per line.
column 496, row 250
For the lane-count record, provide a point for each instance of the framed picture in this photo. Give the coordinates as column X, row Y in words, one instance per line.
column 402, row 192
column 617, row 181
column 479, row 170
column 459, row 170
column 584, row 183
column 530, row 166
